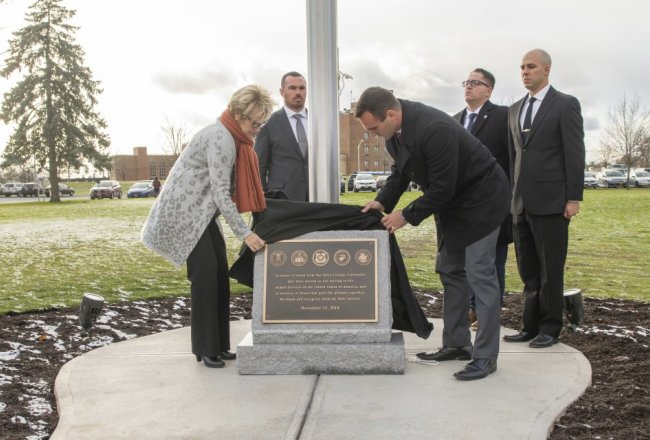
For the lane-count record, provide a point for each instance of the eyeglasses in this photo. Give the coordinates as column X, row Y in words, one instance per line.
column 474, row 83
column 254, row 124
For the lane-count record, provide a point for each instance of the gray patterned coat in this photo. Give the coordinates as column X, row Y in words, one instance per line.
column 197, row 189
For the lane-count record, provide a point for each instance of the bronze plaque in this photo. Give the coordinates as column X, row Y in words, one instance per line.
column 329, row 280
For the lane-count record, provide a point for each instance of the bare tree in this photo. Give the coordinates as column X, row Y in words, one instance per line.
column 628, row 127
column 175, row 137
column 644, row 153
column 606, row 153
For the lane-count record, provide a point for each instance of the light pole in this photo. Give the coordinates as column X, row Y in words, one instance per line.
column 323, row 97
column 358, row 157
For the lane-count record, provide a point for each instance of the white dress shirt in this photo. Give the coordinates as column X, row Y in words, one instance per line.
column 293, row 120
column 468, row 112
column 539, row 97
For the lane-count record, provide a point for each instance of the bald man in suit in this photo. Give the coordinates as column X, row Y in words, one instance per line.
column 547, row 159
column 281, row 145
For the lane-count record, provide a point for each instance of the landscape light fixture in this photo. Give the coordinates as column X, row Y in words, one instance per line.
column 91, row 306
column 574, row 308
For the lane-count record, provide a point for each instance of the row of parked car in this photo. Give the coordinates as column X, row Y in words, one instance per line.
column 367, row 182
column 613, row 178
column 32, row 189
column 108, row 189
column 105, row 189
column 608, row 178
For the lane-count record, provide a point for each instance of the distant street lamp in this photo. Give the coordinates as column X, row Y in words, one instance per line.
column 342, row 76
column 358, row 156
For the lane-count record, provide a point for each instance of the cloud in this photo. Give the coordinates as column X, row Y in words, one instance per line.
column 197, row 83
column 591, row 123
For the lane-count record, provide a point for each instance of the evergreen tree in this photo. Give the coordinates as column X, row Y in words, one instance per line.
column 53, row 103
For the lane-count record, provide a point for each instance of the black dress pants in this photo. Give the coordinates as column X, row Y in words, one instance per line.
column 207, row 270
column 541, row 243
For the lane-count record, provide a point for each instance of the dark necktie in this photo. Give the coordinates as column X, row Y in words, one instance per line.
column 302, row 136
column 527, row 119
column 470, row 124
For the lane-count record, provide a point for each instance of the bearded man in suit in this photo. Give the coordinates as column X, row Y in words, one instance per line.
column 463, row 185
column 547, row 159
column 281, row 145
column 489, row 123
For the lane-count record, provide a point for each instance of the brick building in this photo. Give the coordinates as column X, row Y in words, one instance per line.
column 360, row 150
column 141, row 166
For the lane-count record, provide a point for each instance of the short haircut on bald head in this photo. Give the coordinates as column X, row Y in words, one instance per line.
column 544, row 56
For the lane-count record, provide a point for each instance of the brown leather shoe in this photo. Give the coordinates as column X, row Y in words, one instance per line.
column 471, row 316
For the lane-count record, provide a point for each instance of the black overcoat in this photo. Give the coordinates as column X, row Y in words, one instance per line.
column 460, row 179
column 491, row 128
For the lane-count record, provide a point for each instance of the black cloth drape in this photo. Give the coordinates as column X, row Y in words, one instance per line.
column 284, row 219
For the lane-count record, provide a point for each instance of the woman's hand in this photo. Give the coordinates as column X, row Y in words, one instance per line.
column 254, row 242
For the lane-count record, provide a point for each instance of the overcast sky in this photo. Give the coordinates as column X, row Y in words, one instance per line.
column 181, row 60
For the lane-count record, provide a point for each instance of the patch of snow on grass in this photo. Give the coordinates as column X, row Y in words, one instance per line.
column 19, row 420
column 37, row 406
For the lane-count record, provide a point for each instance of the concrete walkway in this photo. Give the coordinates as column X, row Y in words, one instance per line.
column 152, row 388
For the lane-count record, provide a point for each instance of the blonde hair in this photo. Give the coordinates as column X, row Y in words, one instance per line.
column 249, row 100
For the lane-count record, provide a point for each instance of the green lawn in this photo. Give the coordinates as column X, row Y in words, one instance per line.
column 51, row 254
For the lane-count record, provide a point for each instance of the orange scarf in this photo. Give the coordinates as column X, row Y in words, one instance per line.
column 249, row 195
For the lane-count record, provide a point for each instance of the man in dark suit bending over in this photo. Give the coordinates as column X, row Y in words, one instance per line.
column 281, row 145
column 463, row 185
column 489, row 123
column 547, row 158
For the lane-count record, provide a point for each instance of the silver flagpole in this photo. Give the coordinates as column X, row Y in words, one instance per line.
column 322, row 88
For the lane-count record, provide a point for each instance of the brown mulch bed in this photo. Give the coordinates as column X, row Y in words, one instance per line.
column 34, row 346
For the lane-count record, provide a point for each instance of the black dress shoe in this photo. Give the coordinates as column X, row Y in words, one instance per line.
column 543, row 341
column 228, row 355
column 518, row 337
column 477, row 369
column 211, row 362
column 446, row 354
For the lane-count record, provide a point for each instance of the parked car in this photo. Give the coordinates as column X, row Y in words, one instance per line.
column 611, row 179
column 12, row 189
column 365, row 182
column 141, row 189
column 640, row 179
column 351, row 181
column 64, row 190
column 590, row 180
column 30, row 189
column 413, row 187
column 106, row 189
column 381, row 181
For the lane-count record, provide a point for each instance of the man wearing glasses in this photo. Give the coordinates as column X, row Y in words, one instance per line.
column 488, row 123
column 281, row 145
column 466, row 189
